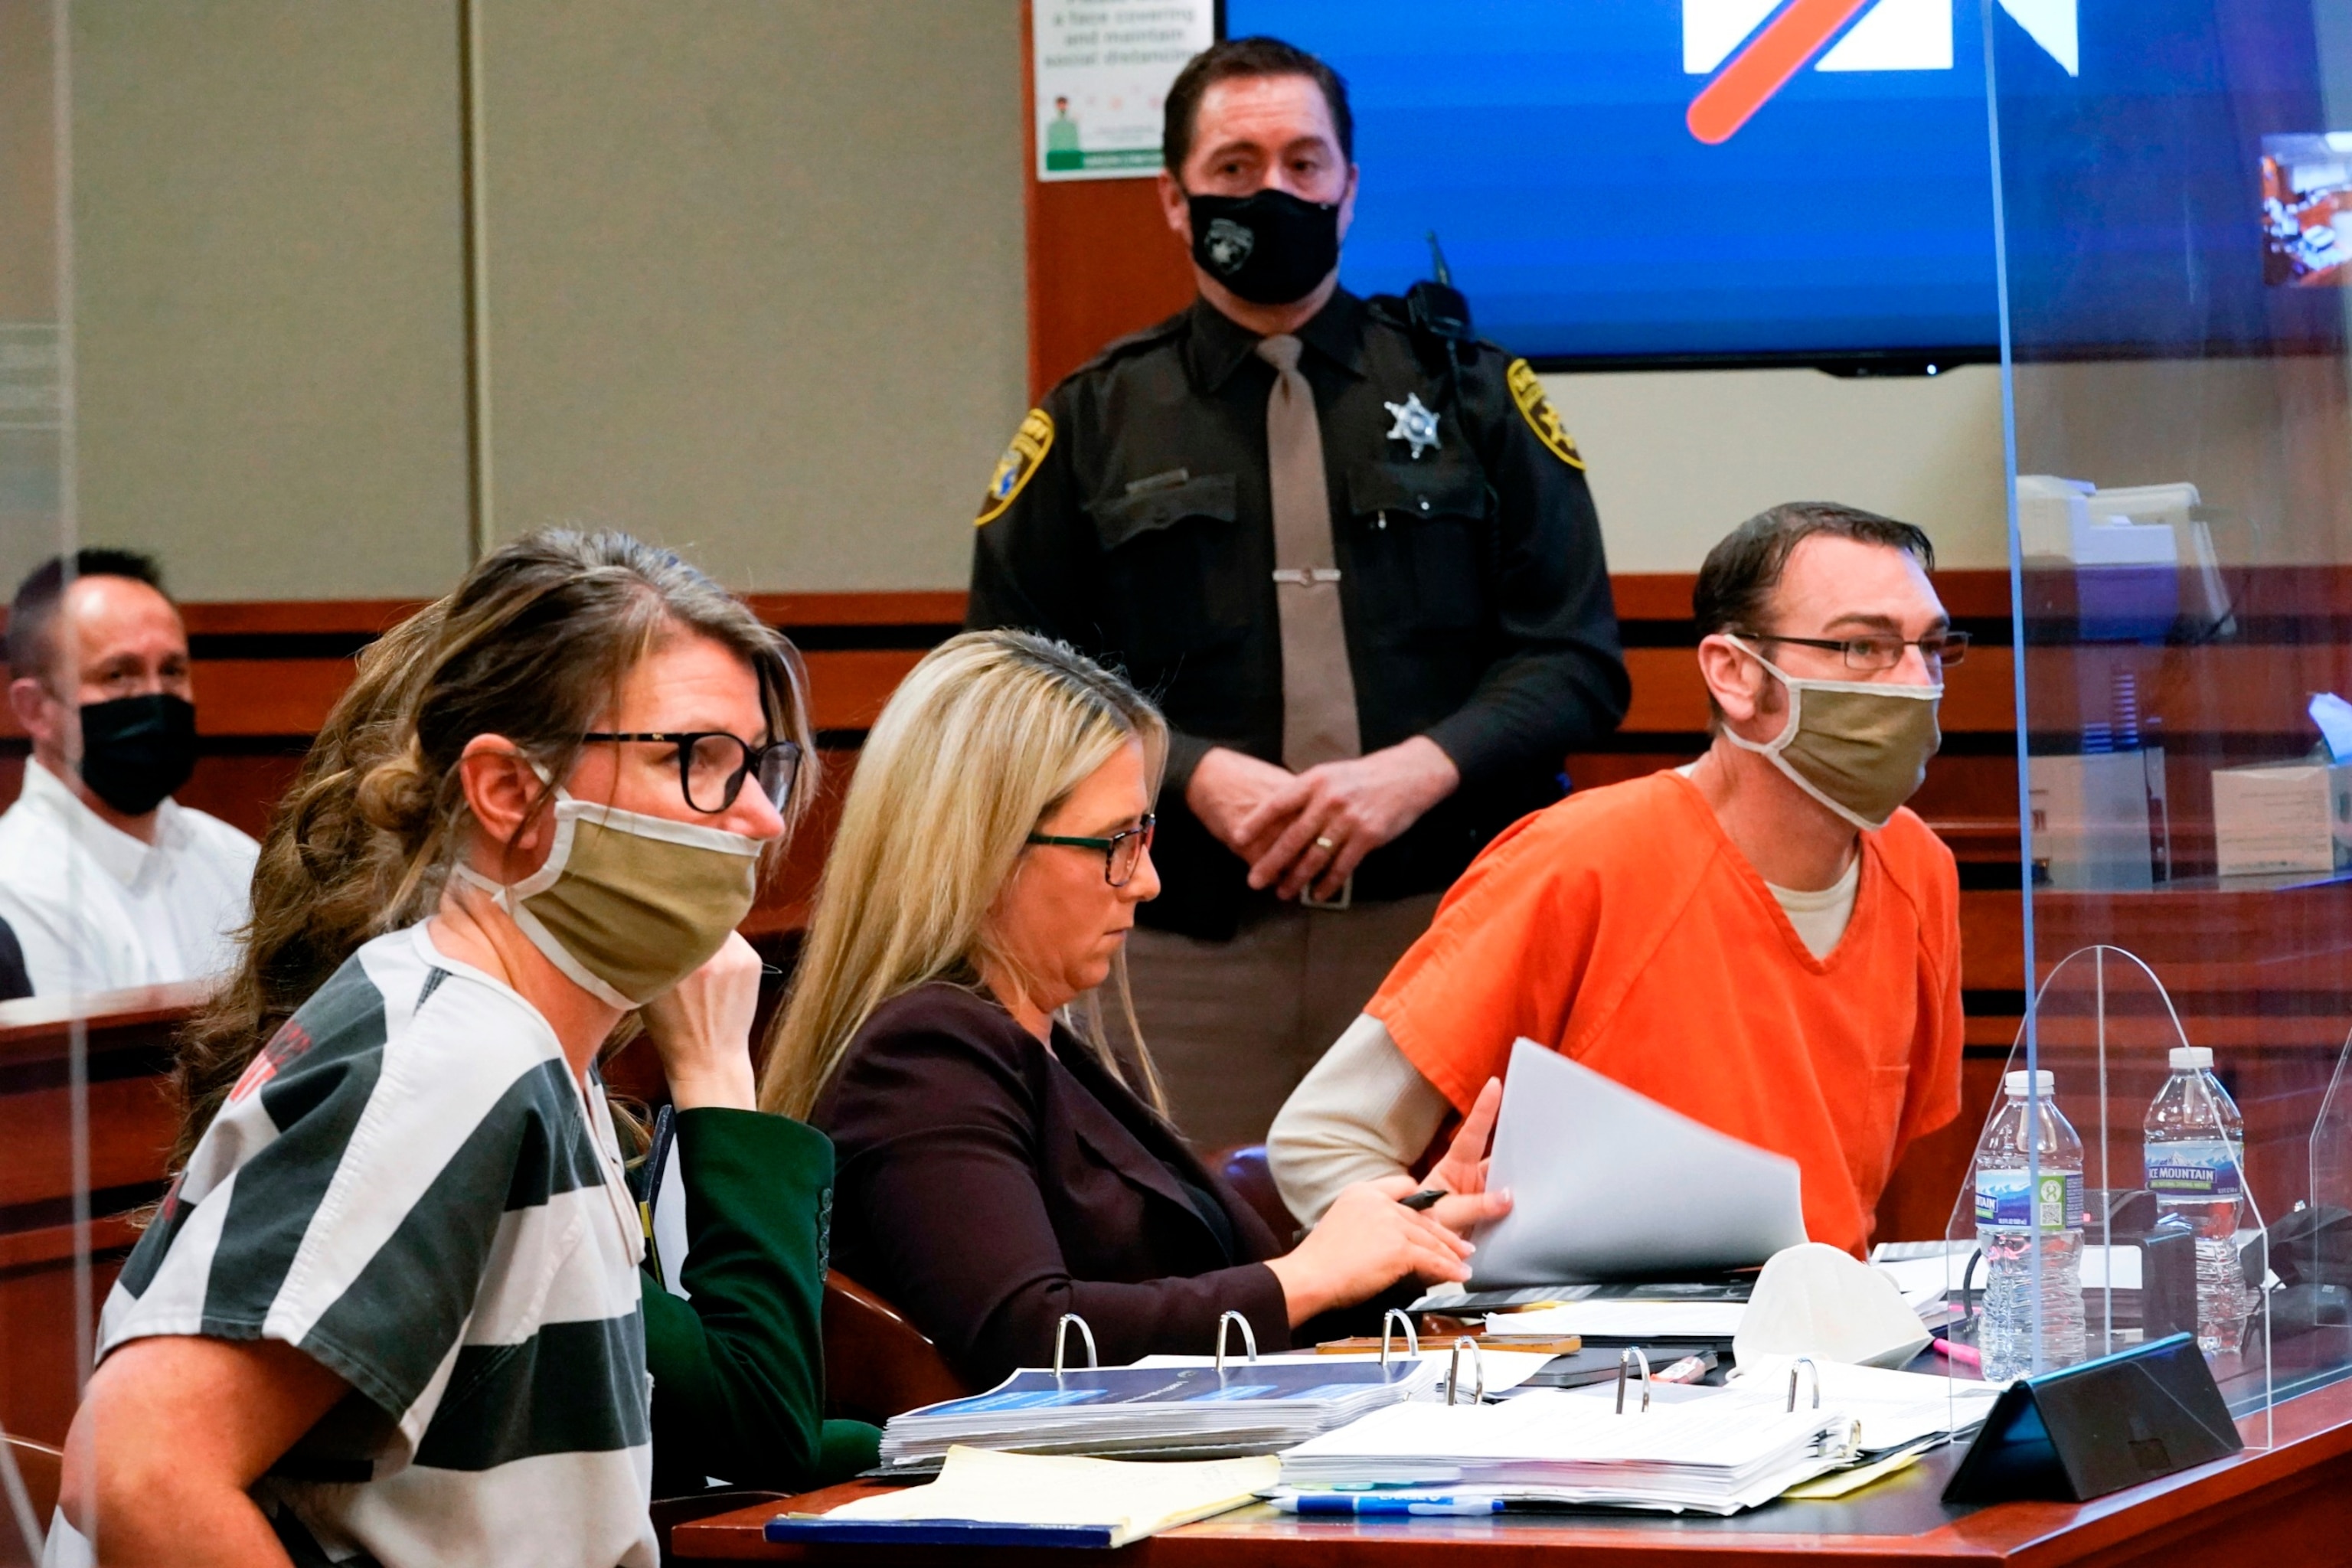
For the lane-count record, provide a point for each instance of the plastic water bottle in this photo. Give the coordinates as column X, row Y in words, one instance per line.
column 2194, row 1158
column 2020, row 1207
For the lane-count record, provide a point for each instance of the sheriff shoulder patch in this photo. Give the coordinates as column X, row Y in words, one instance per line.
column 1030, row 444
column 1542, row 416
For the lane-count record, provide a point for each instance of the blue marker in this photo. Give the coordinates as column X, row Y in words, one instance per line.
column 1362, row 1504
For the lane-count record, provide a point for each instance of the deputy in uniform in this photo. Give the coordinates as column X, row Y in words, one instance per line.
column 1355, row 559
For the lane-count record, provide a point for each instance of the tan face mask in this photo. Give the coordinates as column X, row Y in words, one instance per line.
column 1859, row 747
column 628, row 905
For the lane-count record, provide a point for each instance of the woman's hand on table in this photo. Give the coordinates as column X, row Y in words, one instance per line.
column 702, row 1029
column 1365, row 1242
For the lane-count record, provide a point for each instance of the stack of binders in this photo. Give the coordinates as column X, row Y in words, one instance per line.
column 1712, row 1450
column 1188, row 1412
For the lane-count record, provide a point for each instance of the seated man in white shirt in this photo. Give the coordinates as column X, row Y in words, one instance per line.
column 106, row 880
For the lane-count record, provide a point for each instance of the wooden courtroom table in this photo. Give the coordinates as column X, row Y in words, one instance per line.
column 2288, row 1507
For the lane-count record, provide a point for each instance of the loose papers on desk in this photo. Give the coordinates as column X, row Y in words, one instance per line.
column 1607, row 1182
column 1893, row 1409
column 1249, row 1408
column 1449, row 1297
column 983, row 1499
column 1707, row 1450
column 1925, row 1271
column 1501, row 1369
column 1636, row 1323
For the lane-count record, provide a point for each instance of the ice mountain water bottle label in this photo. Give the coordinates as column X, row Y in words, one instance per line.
column 2199, row 1169
column 2012, row 1200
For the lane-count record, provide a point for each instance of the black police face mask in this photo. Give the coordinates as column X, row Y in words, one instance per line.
column 1270, row 247
column 137, row 750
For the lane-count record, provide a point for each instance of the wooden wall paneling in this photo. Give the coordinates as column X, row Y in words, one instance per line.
column 243, row 788
column 1917, row 1202
column 38, row 1390
column 127, row 1044
column 1101, row 260
column 131, row 1126
column 848, row 688
column 789, row 893
column 940, row 609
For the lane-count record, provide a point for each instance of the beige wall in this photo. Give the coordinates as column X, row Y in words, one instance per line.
column 756, row 277
column 271, row 351
column 754, row 288
column 755, row 284
column 1678, row 457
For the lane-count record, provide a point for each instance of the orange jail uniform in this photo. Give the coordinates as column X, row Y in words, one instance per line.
column 1624, row 927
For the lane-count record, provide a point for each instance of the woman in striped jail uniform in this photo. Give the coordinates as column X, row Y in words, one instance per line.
column 391, row 1310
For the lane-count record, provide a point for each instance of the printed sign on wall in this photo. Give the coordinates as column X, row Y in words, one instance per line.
column 1102, row 70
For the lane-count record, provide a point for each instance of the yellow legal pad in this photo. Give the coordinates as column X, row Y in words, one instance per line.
column 978, row 1488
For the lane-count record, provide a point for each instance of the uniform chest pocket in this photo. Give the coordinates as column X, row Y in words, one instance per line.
column 1173, row 565
column 1420, row 540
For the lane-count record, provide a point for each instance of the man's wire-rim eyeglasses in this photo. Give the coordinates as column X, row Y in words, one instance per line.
column 713, row 763
column 1880, row 652
column 1122, row 852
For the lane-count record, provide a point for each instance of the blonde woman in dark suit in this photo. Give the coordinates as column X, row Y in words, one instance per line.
column 998, row 1165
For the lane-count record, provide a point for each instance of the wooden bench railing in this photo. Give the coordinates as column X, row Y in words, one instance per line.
column 124, row 1039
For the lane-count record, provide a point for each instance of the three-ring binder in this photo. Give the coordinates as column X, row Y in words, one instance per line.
column 1061, row 1340
column 1454, row 1371
column 1249, row 1338
column 1625, row 1358
column 1807, row 1363
column 1394, row 1320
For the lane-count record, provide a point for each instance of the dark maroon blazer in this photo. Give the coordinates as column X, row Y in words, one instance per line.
column 984, row 1186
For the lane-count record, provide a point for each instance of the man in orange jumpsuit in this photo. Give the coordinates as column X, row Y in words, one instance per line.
column 1764, row 941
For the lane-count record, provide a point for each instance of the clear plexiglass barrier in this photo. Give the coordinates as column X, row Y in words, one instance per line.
column 2121, row 1194
column 2174, row 218
column 78, row 1120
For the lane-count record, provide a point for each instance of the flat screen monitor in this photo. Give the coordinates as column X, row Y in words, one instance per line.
column 1635, row 182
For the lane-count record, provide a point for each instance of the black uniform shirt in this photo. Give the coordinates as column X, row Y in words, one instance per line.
column 1132, row 518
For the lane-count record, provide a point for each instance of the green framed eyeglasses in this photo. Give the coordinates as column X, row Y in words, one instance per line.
column 1122, row 852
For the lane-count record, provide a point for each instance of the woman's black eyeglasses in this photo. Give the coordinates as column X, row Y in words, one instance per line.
column 712, row 765
column 1122, row 852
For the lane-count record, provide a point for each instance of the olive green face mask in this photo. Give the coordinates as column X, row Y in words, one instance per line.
column 628, row 905
column 1859, row 747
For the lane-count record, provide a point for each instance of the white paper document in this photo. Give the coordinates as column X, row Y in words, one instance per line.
column 1894, row 1409
column 1505, row 1370
column 1133, row 1500
column 1644, row 1321
column 1608, row 1183
column 1716, row 1450
column 1924, row 1279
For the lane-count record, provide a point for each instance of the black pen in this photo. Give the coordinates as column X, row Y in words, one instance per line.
column 1424, row 1199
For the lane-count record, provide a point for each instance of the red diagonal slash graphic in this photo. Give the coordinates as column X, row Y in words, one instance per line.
column 1771, row 59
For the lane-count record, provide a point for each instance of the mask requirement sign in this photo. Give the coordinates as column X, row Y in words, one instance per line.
column 1102, row 70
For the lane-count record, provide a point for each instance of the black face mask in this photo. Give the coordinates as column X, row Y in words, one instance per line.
column 137, row 750
column 1270, row 247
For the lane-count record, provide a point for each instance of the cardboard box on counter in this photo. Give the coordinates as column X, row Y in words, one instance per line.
column 2282, row 816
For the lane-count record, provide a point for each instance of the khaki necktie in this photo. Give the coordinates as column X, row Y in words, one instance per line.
column 1318, row 689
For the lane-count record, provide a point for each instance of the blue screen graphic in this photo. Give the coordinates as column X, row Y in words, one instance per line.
column 1546, row 142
